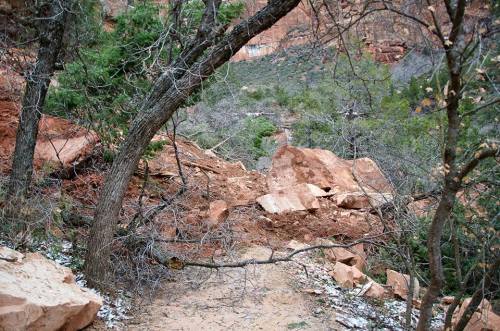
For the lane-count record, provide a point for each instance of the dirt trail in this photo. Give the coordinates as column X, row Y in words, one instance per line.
column 256, row 298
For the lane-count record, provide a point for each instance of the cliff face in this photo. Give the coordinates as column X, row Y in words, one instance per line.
column 385, row 35
column 293, row 29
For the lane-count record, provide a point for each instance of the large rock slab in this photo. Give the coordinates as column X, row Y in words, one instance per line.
column 60, row 144
column 356, row 183
column 299, row 197
column 63, row 144
column 38, row 294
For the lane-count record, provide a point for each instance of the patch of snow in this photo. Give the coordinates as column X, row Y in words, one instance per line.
column 353, row 311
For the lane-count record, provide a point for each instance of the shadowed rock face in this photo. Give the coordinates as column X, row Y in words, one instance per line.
column 386, row 36
column 38, row 294
column 483, row 319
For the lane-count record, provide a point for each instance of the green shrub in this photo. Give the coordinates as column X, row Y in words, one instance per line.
column 254, row 131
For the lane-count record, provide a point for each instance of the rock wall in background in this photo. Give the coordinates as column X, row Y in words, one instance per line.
column 386, row 35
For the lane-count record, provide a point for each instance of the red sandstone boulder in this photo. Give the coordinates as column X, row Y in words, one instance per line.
column 373, row 290
column 354, row 183
column 38, row 294
column 483, row 319
column 63, row 144
column 354, row 257
column 60, row 143
column 295, row 198
column 347, row 276
column 350, row 277
column 400, row 282
column 217, row 212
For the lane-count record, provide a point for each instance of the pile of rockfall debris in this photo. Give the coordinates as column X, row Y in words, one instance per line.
column 307, row 195
column 360, row 305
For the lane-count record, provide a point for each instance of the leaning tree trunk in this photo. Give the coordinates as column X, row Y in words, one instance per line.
column 157, row 109
column 37, row 84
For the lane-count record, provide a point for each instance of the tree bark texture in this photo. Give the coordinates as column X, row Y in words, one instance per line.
column 452, row 182
column 168, row 93
column 50, row 37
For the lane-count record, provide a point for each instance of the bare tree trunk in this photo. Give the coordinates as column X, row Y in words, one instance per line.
column 409, row 298
column 37, row 83
column 452, row 182
column 157, row 109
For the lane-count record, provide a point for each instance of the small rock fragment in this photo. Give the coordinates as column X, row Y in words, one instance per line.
column 353, row 257
column 448, row 300
column 296, row 245
column 10, row 255
column 347, row 276
column 399, row 283
column 374, row 290
column 217, row 212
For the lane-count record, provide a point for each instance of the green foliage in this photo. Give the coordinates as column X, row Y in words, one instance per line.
column 153, row 148
column 231, row 11
column 256, row 94
column 297, row 326
column 282, row 96
column 98, row 88
column 253, row 133
column 114, row 70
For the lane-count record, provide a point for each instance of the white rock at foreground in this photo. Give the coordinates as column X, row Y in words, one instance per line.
column 299, row 197
column 38, row 294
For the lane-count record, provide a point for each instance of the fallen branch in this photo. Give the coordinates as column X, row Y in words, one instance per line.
column 168, row 260
column 192, row 164
column 219, row 144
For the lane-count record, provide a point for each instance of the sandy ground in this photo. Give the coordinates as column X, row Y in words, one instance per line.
column 255, row 298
